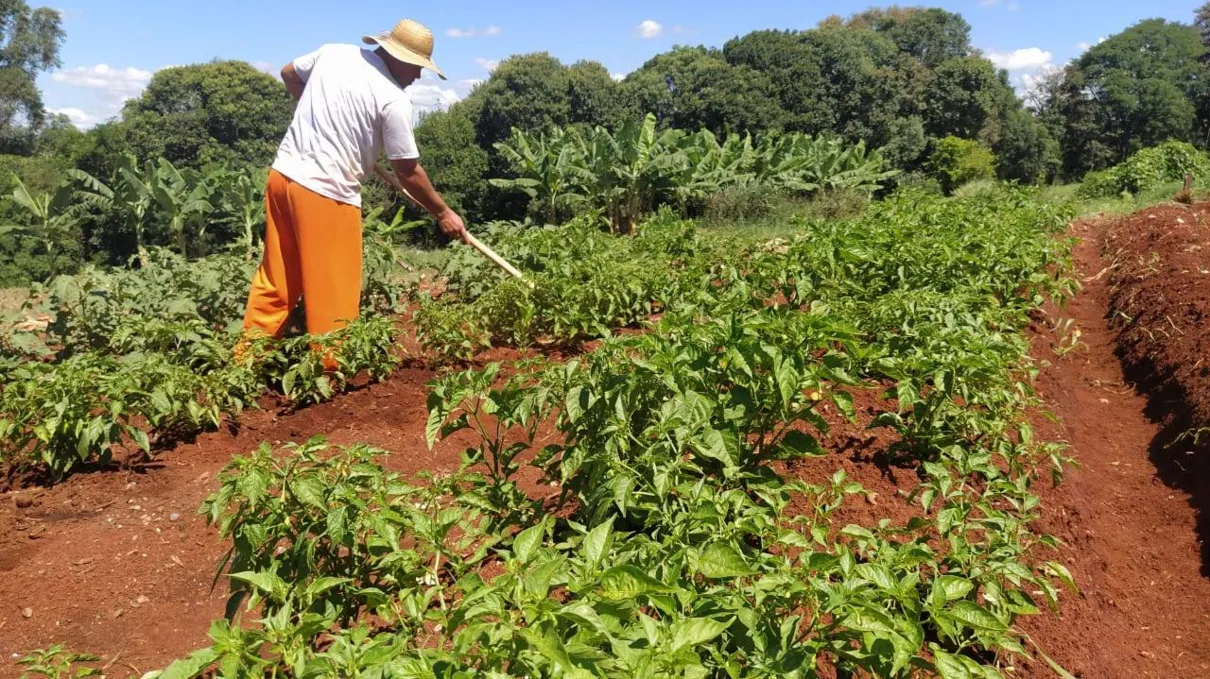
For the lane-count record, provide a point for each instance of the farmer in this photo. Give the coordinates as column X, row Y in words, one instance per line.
column 351, row 106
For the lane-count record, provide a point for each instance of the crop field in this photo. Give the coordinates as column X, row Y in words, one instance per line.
column 834, row 353
column 678, row 453
column 696, row 528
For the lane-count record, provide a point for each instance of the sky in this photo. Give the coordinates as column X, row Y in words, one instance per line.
column 113, row 47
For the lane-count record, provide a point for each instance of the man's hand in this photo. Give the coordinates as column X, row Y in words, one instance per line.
column 452, row 226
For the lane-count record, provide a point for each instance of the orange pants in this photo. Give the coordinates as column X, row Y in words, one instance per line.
column 312, row 251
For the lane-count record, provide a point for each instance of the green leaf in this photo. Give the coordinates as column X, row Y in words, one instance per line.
column 597, row 542
column 844, row 403
column 526, row 543
column 140, row 439
column 721, row 560
column 338, row 524
column 690, row 632
column 624, row 583
column 712, row 444
column 262, row 580
column 191, row 665
column 324, row 584
column 551, row 646
column 800, row 444
column 977, row 617
column 585, row 616
column 537, row 580
column 437, row 415
column 877, row 574
column 309, row 490
column 951, row 666
column 952, row 588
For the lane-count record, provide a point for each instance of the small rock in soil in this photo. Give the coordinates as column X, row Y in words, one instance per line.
column 118, row 613
column 174, row 517
column 142, row 600
column 24, row 501
column 28, row 612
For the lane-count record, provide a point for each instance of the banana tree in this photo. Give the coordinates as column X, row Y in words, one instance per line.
column 550, row 171
column 630, row 169
column 182, row 199
column 710, row 167
column 240, row 201
column 833, row 165
column 52, row 218
column 128, row 193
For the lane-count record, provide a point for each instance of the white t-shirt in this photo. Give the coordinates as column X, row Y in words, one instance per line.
column 349, row 112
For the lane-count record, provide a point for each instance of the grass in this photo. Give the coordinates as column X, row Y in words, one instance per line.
column 1119, row 205
column 778, row 223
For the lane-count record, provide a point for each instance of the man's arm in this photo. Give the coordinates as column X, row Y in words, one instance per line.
column 414, row 181
column 294, row 82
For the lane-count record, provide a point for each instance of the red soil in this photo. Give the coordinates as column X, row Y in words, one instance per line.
column 1130, row 514
column 100, row 564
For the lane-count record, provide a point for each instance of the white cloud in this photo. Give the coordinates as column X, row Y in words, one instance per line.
column 1026, row 59
column 78, row 117
column 619, row 77
column 111, row 87
column 649, row 29
column 473, row 32
column 117, row 84
column 487, row 64
column 426, row 98
column 469, row 83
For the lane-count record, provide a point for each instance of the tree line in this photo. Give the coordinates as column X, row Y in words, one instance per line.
column 905, row 81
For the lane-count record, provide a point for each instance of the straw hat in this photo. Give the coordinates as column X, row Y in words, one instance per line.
column 409, row 42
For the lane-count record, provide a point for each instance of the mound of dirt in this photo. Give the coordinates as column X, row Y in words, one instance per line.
column 1159, row 274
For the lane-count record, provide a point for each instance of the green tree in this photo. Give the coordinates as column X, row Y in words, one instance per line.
column 1136, row 89
column 694, row 87
column 1026, row 152
column 957, row 161
column 795, row 72
column 453, row 159
column 29, row 44
column 593, row 95
column 968, row 98
column 1201, row 21
column 930, row 35
column 529, row 92
column 219, row 112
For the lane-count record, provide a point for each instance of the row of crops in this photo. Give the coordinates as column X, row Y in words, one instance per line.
column 136, row 359
column 681, row 542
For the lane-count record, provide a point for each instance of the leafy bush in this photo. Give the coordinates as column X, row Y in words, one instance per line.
column 1147, row 169
column 957, row 161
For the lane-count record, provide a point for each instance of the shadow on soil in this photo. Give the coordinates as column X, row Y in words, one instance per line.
column 1180, row 458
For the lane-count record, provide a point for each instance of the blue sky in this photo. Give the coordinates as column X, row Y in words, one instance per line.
column 114, row 46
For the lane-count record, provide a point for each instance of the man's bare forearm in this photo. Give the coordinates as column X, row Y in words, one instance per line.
column 415, row 181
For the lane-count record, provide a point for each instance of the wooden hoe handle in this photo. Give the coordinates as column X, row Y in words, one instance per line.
column 474, row 242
